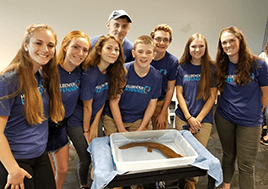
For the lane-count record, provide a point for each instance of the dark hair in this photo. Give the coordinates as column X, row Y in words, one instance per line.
column 244, row 64
column 116, row 71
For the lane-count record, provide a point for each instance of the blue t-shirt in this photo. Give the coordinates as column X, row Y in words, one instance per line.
column 94, row 85
column 70, row 89
column 188, row 77
column 137, row 93
column 168, row 67
column 26, row 141
column 127, row 47
column 242, row 104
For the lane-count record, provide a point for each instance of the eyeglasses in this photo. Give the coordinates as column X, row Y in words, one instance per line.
column 159, row 39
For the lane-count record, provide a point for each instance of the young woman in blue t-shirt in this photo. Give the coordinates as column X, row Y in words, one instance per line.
column 196, row 91
column 74, row 50
column 30, row 93
column 103, row 77
column 241, row 78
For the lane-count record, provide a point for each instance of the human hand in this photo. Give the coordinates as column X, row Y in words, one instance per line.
column 16, row 178
column 161, row 121
column 86, row 135
column 93, row 133
column 122, row 130
column 195, row 125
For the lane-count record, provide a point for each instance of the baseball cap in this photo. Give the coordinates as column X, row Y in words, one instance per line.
column 119, row 13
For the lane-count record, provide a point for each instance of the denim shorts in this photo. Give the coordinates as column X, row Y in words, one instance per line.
column 57, row 138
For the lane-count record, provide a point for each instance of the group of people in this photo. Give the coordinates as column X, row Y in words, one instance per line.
column 107, row 83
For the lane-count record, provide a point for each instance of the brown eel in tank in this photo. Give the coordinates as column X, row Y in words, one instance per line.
column 164, row 149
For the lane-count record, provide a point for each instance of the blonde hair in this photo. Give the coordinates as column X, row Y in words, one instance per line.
column 27, row 83
column 144, row 39
column 204, row 84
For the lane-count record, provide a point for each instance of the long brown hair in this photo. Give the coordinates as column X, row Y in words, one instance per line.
column 244, row 64
column 116, row 71
column 204, row 84
column 22, row 65
column 66, row 41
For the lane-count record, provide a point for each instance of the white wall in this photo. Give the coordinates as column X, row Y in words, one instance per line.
column 186, row 17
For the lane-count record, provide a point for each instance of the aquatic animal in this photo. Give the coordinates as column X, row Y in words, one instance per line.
column 163, row 148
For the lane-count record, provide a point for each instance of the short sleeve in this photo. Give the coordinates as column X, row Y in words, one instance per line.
column 173, row 70
column 262, row 73
column 7, row 87
column 179, row 76
column 88, row 84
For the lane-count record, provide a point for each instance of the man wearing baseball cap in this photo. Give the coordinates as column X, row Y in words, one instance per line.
column 118, row 24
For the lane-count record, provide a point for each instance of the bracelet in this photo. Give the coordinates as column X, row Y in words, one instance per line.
column 86, row 131
column 189, row 118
